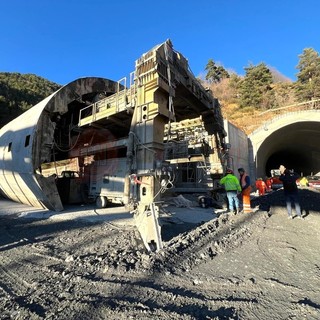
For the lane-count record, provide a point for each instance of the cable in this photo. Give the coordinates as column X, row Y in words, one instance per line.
column 66, row 150
column 140, row 143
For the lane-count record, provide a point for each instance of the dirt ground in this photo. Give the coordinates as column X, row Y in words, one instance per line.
column 93, row 265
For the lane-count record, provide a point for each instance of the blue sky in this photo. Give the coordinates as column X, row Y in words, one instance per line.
column 62, row 40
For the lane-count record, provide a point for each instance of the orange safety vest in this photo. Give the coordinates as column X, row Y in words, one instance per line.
column 245, row 195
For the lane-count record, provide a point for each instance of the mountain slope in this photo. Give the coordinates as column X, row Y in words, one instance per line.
column 19, row 92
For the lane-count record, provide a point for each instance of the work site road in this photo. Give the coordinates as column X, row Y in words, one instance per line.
column 255, row 266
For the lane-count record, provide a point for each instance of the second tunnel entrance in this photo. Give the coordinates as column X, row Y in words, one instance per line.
column 295, row 145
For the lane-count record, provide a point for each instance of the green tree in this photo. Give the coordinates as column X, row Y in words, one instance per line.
column 308, row 77
column 215, row 73
column 256, row 88
column 19, row 92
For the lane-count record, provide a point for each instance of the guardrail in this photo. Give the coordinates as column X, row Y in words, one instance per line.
column 271, row 115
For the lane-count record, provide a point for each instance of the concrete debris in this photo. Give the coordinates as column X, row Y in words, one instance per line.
column 248, row 266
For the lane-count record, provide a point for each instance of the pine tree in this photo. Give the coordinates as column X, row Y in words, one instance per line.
column 215, row 73
column 256, row 88
column 308, row 78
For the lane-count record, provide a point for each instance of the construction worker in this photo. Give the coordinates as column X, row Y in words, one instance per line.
column 232, row 187
column 304, row 182
column 269, row 182
column 291, row 191
column 246, row 190
column 261, row 186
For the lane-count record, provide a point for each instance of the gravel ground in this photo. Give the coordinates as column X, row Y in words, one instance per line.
column 254, row 266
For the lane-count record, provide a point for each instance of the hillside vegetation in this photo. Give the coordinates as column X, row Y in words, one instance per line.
column 19, row 92
column 249, row 118
column 247, row 101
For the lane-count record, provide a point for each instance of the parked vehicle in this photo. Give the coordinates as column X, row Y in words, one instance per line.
column 276, row 183
column 107, row 181
column 314, row 181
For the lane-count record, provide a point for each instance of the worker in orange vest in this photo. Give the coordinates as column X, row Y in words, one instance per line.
column 269, row 182
column 246, row 190
column 261, row 186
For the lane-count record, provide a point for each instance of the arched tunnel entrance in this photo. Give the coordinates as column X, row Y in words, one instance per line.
column 294, row 145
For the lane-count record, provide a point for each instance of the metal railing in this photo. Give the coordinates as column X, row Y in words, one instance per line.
column 115, row 103
column 271, row 115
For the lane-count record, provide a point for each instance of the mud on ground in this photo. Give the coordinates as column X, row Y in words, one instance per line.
column 255, row 266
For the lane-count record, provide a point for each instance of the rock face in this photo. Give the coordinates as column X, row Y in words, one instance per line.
column 256, row 266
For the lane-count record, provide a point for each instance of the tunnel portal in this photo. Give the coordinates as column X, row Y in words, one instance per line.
column 295, row 144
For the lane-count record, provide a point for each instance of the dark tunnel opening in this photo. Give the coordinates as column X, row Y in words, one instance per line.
column 295, row 145
column 291, row 159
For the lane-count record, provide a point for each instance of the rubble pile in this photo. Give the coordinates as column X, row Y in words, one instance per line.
column 231, row 267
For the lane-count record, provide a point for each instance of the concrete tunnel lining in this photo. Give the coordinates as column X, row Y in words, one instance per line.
column 21, row 179
column 295, row 145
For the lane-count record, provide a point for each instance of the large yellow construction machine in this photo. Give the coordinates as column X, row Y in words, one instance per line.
column 124, row 141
